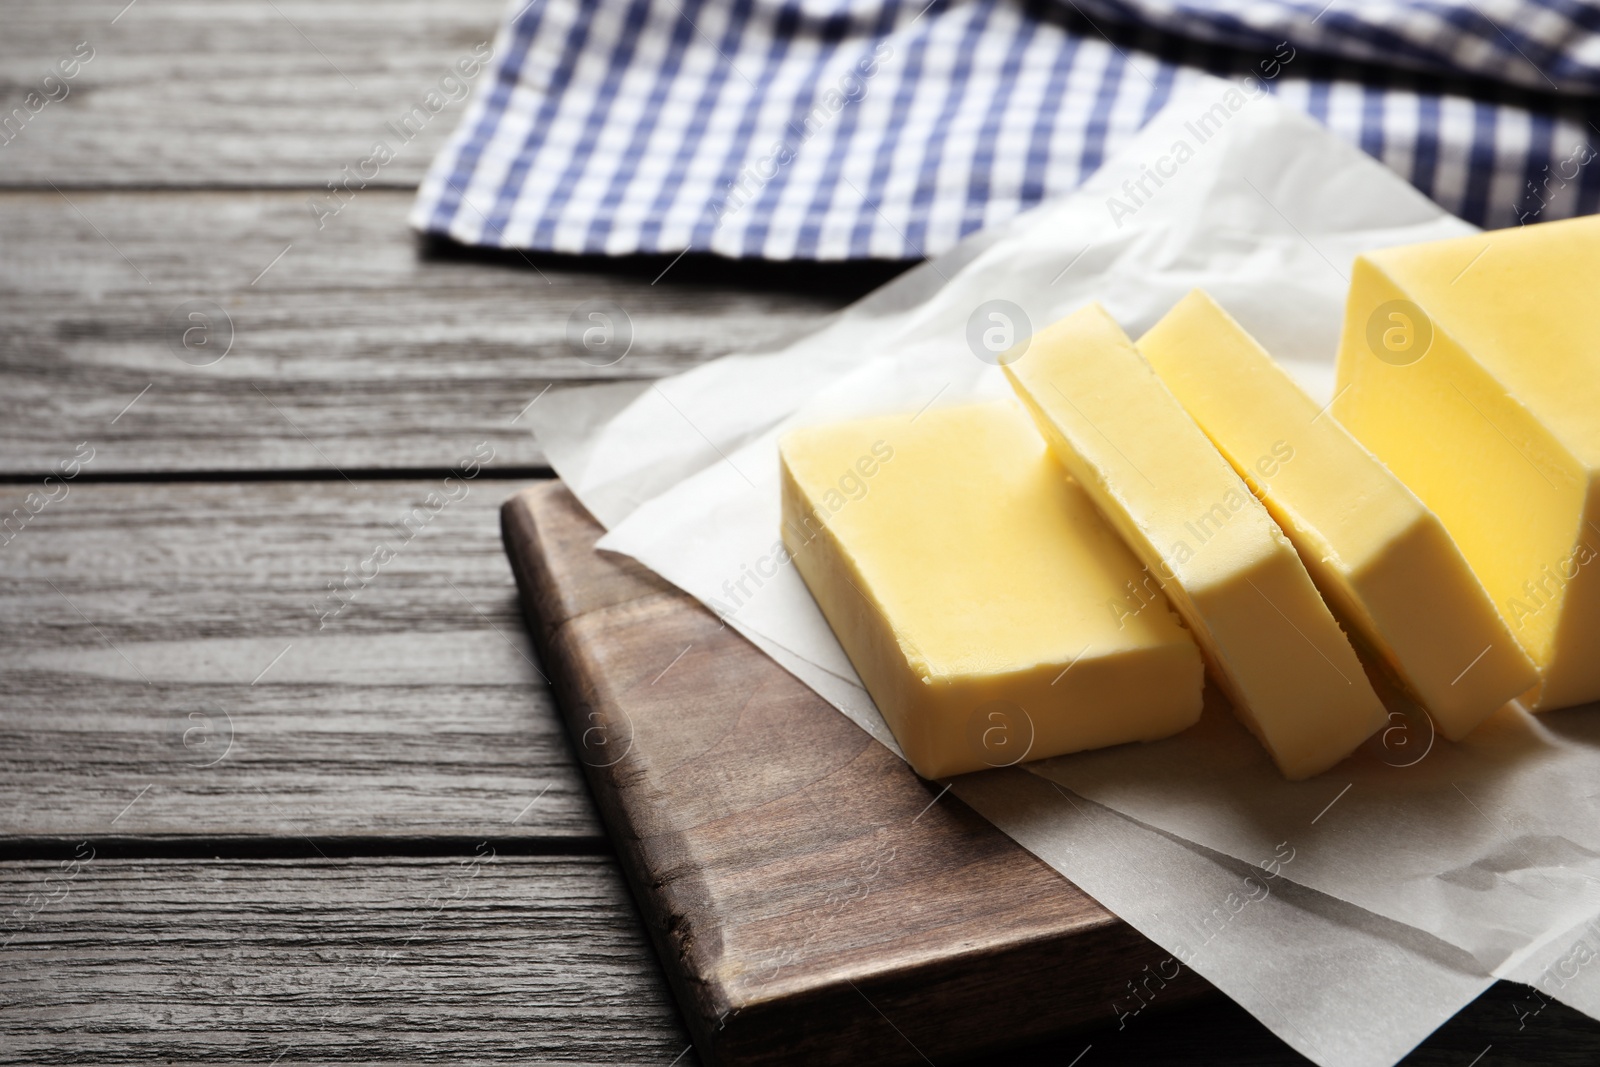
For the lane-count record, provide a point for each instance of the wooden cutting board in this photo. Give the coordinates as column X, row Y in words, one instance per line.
column 813, row 900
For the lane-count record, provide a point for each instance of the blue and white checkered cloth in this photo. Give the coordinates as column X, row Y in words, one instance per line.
column 834, row 129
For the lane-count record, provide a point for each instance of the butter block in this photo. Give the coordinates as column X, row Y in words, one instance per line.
column 966, row 578
column 1206, row 541
column 1471, row 368
column 1382, row 560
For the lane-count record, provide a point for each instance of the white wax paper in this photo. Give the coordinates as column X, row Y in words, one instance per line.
column 1492, row 844
column 1401, row 904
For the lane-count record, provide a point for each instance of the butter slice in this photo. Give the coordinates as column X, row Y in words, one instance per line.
column 1485, row 401
column 1272, row 644
column 1383, row 562
column 966, row 578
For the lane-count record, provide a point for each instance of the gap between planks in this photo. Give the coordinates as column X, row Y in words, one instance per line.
column 253, row 847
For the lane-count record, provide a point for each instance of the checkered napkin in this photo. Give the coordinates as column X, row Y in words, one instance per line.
column 849, row 129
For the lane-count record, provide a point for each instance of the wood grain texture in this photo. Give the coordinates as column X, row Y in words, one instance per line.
column 791, row 868
column 353, row 351
column 141, row 628
column 484, row 958
column 258, row 92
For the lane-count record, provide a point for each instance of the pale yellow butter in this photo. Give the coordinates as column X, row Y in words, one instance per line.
column 1273, row 646
column 1382, row 560
column 1471, row 367
column 967, row 579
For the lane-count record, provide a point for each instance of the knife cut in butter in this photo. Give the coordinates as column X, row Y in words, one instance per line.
column 1269, row 639
column 1471, row 367
column 1383, row 561
column 967, row 579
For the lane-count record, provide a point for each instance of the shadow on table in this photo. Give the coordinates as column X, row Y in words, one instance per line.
column 844, row 280
column 1509, row 1025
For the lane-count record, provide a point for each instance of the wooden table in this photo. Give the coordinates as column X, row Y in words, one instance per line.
column 244, row 817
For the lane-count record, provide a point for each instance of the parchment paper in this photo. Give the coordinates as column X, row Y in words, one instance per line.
column 1421, row 882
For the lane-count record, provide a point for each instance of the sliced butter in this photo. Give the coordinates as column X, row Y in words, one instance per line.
column 1272, row 644
column 1383, row 562
column 966, row 578
column 1471, row 367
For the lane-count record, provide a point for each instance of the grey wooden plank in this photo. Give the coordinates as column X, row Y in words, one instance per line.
column 255, row 92
column 484, row 958
column 352, row 351
column 173, row 664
